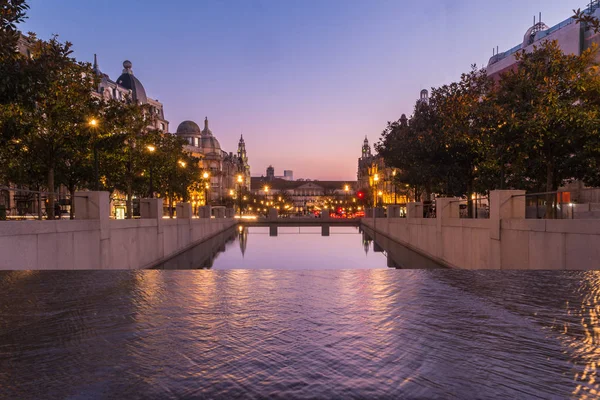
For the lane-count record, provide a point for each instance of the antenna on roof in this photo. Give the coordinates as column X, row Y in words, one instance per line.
column 534, row 20
column 497, row 49
column 540, row 17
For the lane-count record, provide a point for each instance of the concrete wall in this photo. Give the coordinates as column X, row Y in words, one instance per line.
column 101, row 243
column 501, row 242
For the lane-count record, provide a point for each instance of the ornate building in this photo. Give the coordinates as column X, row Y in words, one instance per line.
column 127, row 85
column 379, row 181
column 304, row 196
column 223, row 168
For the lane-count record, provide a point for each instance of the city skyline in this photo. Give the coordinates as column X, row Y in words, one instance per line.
column 303, row 82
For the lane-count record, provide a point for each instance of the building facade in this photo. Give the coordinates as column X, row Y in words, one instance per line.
column 223, row 168
column 306, row 196
column 127, row 86
column 572, row 37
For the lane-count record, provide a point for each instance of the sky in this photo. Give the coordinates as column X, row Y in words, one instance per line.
column 304, row 80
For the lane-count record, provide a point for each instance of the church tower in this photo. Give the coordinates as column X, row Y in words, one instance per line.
column 241, row 152
column 243, row 165
column 366, row 149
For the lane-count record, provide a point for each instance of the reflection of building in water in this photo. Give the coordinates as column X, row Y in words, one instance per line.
column 366, row 240
column 243, row 238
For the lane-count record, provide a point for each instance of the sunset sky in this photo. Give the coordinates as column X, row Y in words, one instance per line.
column 304, row 81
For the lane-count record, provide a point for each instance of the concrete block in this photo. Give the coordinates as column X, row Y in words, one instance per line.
column 582, row 252
column 547, row 250
column 582, row 226
column 205, row 211
column 18, row 252
column 393, row 211
column 504, row 205
column 183, row 210
column 92, row 205
column 535, row 225
column 414, row 210
column 514, row 248
column 379, row 212
column 151, row 208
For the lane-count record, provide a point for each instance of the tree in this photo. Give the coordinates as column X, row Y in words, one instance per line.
column 550, row 101
column 12, row 12
column 174, row 170
column 59, row 106
column 123, row 150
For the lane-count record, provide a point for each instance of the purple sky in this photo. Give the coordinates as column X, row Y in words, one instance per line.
column 304, row 81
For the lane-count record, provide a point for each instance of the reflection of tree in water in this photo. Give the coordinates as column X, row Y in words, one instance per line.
column 203, row 255
column 208, row 262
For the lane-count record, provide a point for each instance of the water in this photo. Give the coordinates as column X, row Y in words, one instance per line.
column 312, row 333
column 298, row 248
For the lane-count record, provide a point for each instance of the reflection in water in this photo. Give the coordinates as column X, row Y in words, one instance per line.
column 288, row 247
column 324, row 334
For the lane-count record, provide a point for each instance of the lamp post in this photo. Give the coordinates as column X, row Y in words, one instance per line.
column 346, row 190
column 239, row 181
column 394, row 183
column 266, row 189
column 151, row 149
column 205, row 175
column 93, row 124
column 375, row 183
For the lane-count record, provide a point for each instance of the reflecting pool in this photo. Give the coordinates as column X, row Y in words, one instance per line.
column 297, row 248
column 303, row 314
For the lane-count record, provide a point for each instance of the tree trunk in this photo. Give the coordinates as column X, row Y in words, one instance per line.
column 72, row 208
column 470, row 197
column 170, row 205
column 549, row 186
column 129, row 201
column 39, row 205
column 50, row 207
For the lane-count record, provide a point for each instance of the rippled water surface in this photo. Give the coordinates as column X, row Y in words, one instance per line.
column 298, row 334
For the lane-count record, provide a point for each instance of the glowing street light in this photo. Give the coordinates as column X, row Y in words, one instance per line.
column 151, row 149
column 182, row 163
column 93, row 123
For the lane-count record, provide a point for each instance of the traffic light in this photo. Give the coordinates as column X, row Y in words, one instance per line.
column 361, row 194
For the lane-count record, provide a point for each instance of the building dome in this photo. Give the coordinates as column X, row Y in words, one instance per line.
column 128, row 81
column 188, row 128
column 209, row 144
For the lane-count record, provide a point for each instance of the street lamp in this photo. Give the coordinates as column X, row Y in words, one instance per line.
column 394, row 183
column 375, row 182
column 346, row 190
column 151, row 149
column 240, row 179
column 205, row 175
column 93, row 124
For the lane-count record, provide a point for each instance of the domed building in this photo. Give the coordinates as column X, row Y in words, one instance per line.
column 223, row 167
column 128, row 86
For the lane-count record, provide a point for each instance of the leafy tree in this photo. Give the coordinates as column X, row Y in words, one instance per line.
column 123, row 149
column 12, row 12
column 59, row 106
column 553, row 114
